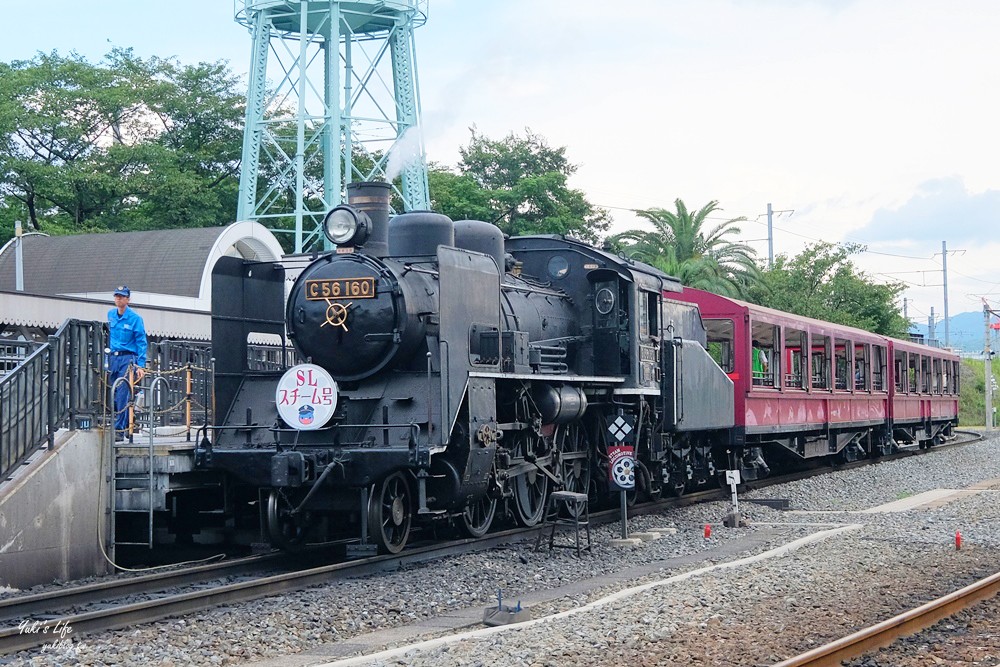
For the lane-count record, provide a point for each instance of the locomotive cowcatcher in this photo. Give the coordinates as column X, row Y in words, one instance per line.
column 453, row 377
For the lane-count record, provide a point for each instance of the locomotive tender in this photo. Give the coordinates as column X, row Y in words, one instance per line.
column 462, row 376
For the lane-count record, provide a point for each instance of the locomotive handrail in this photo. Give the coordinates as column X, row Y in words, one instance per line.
column 412, row 426
column 334, row 427
column 537, row 290
column 563, row 339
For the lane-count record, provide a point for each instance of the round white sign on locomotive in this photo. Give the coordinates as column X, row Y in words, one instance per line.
column 306, row 397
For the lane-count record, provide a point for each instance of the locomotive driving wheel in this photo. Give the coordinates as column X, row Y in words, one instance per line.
column 530, row 487
column 478, row 516
column 574, row 459
column 286, row 530
column 390, row 513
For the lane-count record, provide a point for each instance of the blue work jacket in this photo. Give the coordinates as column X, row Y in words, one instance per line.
column 128, row 334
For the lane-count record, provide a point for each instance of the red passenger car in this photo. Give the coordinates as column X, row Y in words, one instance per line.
column 924, row 386
column 811, row 388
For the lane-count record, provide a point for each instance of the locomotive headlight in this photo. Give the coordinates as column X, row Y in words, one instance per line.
column 344, row 225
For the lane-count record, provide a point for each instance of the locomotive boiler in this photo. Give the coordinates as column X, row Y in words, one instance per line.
column 449, row 377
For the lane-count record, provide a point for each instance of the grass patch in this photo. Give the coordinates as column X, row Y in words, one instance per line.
column 972, row 403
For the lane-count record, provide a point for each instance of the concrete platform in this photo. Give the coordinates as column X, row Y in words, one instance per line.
column 49, row 513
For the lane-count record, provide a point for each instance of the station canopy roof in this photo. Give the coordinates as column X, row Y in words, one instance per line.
column 168, row 270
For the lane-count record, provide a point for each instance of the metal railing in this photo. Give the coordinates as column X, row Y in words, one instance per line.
column 187, row 367
column 13, row 352
column 52, row 387
column 62, row 382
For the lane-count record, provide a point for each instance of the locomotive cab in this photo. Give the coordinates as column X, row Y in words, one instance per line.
column 611, row 322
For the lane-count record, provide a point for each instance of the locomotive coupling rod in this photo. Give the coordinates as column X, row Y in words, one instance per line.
column 548, row 473
column 526, row 466
column 522, row 466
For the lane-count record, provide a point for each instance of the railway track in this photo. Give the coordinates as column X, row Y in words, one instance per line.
column 129, row 601
column 115, row 605
column 885, row 633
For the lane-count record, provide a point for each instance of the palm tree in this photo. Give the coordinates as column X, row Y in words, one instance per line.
column 679, row 246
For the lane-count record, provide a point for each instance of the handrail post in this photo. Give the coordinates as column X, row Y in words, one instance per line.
column 152, row 388
column 53, row 390
column 187, row 400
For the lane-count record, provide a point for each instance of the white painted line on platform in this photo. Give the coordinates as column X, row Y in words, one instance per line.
column 925, row 498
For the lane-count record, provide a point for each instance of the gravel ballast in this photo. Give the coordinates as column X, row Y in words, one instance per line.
column 752, row 614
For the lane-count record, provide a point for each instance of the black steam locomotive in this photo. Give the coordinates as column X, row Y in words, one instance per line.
column 452, row 376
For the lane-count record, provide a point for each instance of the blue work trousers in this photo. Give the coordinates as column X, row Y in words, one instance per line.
column 118, row 368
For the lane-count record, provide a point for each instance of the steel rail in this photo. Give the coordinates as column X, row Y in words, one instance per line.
column 24, row 606
column 885, row 633
column 12, row 639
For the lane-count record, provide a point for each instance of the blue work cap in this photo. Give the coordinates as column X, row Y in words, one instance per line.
column 124, row 291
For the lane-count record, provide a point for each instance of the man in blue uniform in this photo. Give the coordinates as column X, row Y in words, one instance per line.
column 127, row 338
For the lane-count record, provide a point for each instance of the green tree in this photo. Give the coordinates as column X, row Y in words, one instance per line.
column 458, row 196
column 121, row 145
column 681, row 245
column 519, row 184
column 821, row 282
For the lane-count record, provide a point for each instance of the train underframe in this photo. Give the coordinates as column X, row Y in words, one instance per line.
column 310, row 496
column 313, row 500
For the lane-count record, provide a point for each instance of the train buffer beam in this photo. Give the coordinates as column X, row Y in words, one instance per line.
column 774, row 503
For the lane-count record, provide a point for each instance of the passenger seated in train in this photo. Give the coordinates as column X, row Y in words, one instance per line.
column 761, row 367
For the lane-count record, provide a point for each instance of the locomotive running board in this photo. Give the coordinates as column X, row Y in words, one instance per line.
column 596, row 379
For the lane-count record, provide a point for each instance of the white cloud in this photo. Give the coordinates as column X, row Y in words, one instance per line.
column 842, row 110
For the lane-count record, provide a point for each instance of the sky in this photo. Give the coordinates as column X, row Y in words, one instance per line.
column 864, row 121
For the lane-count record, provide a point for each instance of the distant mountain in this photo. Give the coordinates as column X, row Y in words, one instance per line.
column 965, row 332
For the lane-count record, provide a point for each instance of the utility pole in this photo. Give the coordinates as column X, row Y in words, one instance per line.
column 931, row 333
column 18, row 257
column 770, row 239
column 944, row 268
column 770, row 232
column 906, row 313
column 987, row 354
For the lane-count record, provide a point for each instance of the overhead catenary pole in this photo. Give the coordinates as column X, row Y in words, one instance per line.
column 989, row 370
column 931, row 332
column 770, row 239
column 944, row 268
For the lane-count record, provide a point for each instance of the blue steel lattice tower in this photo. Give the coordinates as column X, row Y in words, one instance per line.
column 345, row 88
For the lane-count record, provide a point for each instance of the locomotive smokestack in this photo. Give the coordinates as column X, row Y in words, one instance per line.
column 372, row 197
